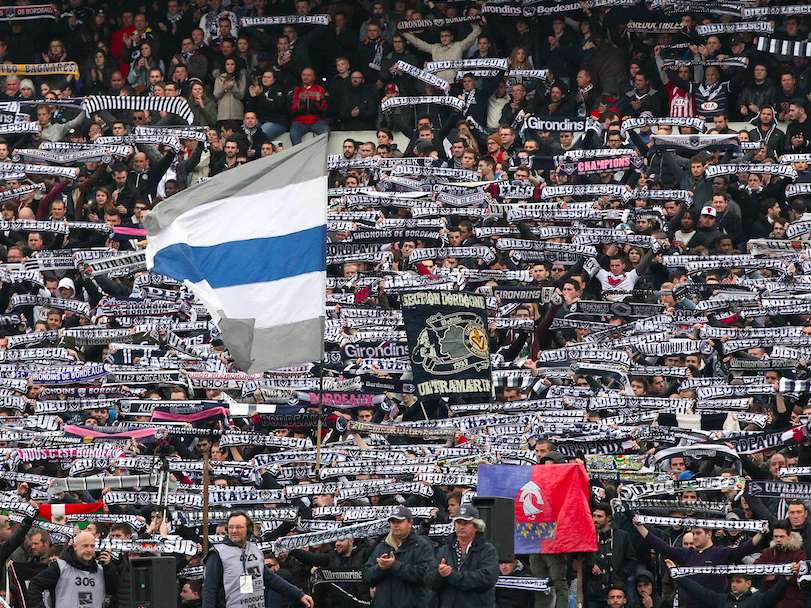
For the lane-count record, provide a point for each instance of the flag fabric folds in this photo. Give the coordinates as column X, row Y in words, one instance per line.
column 552, row 512
column 251, row 244
column 51, row 511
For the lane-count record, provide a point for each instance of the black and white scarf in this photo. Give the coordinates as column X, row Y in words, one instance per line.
column 730, row 569
column 429, row 253
column 757, row 27
column 17, row 128
column 174, row 545
column 169, row 133
column 655, row 27
column 465, row 65
column 778, row 46
column 729, row 62
column 68, row 172
column 757, row 525
column 765, row 11
column 674, row 121
column 362, row 530
column 423, row 75
column 801, row 189
column 172, row 105
column 632, row 492
column 421, row 24
column 25, row 13
column 158, row 140
column 779, row 489
column 285, row 20
column 399, row 102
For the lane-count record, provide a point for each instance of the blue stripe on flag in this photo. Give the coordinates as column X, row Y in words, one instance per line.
column 245, row 262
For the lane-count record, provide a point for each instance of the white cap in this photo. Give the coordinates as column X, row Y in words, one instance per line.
column 709, row 211
column 67, row 282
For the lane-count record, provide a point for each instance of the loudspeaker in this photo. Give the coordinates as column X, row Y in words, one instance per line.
column 154, row 582
column 498, row 515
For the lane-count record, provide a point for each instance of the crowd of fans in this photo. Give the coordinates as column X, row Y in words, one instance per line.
column 627, row 184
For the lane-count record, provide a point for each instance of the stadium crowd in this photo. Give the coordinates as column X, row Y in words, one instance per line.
column 626, row 183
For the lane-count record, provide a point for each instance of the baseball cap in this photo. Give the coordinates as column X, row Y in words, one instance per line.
column 737, row 39
column 555, row 457
column 467, row 513
column 400, row 513
column 709, row 211
column 686, row 476
column 26, row 83
column 66, row 282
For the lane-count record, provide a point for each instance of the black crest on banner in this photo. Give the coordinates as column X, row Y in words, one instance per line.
column 448, row 342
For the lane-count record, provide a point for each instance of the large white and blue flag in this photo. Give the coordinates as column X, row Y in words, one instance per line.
column 251, row 244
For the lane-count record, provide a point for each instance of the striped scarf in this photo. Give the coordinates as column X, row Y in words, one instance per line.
column 172, row 105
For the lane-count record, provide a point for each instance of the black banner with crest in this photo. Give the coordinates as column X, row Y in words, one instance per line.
column 447, row 342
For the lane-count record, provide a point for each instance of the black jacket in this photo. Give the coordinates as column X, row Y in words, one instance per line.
column 405, row 584
column 214, row 592
column 271, row 105
column 616, row 558
column 48, row 578
column 251, row 143
column 713, row 599
column 14, row 540
column 364, row 98
column 515, row 598
column 471, row 584
column 333, row 561
column 143, row 186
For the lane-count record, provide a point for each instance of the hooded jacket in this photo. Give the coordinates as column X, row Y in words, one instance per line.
column 214, row 591
column 48, row 578
column 713, row 599
column 516, row 598
column 405, row 584
column 471, row 584
column 792, row 552
column 332, row 560
column 710, row 556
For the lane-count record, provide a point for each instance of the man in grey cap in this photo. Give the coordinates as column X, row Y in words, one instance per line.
column 468, row 564
column 399, row 567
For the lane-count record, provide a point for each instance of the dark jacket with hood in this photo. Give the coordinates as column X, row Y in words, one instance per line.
column 713, row 599
column 214, row 594
column 405, row 584
column 516, row 598
column 48, row 578
column 331, row 560
column 472, row 583
column 792, row 552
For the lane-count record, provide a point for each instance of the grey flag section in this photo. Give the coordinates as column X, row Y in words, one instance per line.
column 257, row 350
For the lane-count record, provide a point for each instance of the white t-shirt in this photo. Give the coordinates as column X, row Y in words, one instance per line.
column 617, row 282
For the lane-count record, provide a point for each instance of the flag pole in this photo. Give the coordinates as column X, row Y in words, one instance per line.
column 206, row 454
column 320, row 417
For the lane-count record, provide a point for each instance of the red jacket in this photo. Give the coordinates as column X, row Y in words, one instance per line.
column 309, row 104
column 117, row 48
column 794, row 552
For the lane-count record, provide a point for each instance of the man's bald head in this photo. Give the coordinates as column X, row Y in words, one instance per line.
column 139, row 161
column 84, row 546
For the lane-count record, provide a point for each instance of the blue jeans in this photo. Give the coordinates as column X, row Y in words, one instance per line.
column 299, row 130
column 272, row 130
